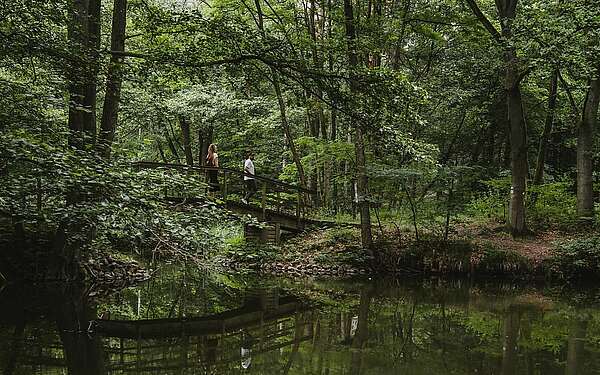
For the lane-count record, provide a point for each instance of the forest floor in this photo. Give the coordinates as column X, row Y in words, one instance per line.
column 484, row 249
column 536, row 247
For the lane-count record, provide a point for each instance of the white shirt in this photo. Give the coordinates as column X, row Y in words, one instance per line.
column 248, row 168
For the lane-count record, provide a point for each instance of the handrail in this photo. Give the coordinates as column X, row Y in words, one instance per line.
column 150, row 164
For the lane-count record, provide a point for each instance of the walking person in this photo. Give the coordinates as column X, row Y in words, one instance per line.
column 249, row 179
column 212, row 160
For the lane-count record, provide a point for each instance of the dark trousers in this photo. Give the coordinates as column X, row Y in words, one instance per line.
column 250, row 188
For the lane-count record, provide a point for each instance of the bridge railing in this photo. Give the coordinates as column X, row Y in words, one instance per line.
column 273, row 194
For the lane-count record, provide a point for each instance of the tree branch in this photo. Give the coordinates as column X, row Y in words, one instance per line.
column 484, row 20
column 195, row 64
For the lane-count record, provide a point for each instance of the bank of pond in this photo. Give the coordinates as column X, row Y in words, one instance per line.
column 186, row 320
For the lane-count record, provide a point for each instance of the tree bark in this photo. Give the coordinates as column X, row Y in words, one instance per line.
column 359, row 143
column 114, row 79
column 585, row 142
column 541, row 158
column 187, row 141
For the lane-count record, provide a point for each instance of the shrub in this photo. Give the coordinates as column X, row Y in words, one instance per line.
column 576, row 259
column 491, row 204
column 553, row 203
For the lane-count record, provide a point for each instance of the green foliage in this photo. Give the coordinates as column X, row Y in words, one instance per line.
column 576, row 259
column 249, row 253
column 555, row 204
column 492, row 203
column 548, row 205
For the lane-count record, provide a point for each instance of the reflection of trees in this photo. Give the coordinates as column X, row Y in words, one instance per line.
column 401, row 333
column 512, row 322
column 362, row 331
column 56, row 316
column 577, row 334
column 15, row 347
column 83, row 353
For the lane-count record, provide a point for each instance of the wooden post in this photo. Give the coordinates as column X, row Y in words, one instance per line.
column 264, row 201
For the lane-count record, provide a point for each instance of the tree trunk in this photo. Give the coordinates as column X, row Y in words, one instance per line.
column 205, row 138
column 538, row 179
column 518, row 129
column 359, row 144
column 89, row 102
column 518, row 148
column 78, row 70
column 114, row 79
column 172, row 146
column 585, row 143
column 161, row 152
column 83, row 353
column 187, row 141
column 287, row 131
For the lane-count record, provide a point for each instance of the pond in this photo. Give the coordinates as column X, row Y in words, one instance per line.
column 188, row 321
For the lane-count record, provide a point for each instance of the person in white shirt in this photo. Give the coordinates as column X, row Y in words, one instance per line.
column 250, row 181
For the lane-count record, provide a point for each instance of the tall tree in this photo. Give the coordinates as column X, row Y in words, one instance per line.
column 114, row 79
column 585, row 142
column 91, row 87
column 362, row 185
column 507, row 11
column 80, row 72
column 551, row 109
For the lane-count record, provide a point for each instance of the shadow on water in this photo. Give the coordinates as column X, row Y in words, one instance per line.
column 188, row 322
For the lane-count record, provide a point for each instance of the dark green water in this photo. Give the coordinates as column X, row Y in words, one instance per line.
column 188, row 322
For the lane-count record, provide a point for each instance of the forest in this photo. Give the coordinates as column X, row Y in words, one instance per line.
column 405, row 122
column 323, row 187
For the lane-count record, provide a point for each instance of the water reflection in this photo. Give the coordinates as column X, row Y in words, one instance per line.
column 186, row 323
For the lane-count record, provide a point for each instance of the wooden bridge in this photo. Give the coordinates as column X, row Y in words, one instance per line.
column 280, row 204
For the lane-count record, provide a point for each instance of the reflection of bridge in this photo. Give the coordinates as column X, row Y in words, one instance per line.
column 261, row 327
column 249, row 315
column 256, row 333
column 281, row 204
